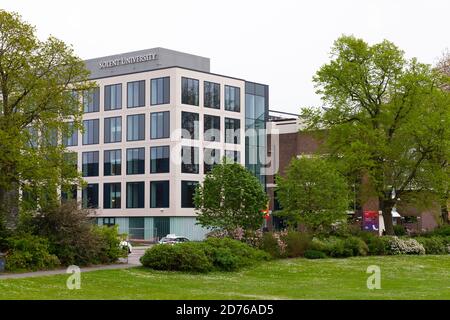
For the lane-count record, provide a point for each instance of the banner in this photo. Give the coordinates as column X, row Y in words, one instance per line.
column 370, row 221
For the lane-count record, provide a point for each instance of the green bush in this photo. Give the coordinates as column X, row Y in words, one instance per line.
column 433, row 245
column 29, row 252
column 442, row 231
column 109, row 249
column 399, row 230
column 357, row 246
column 314, row 254
column 404, row 246
column 296, row 243
column 376, row 245
column 270, row 245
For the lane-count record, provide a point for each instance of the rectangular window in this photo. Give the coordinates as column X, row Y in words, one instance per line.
column 136, row 127
column 109, row 222
column 159, row 194
column 70, row 194
column 90, row 196
column 187, row 193
column 90, row 164
column 135, row 194
column 113, row 97
column 91, row 130
column 160, row 91
column 71, row 159
column 189, row 160
column 159, row 159
column 136, row 161
column 136, row 94
column 232, row 131
column 233, row 156
column 189, row 91
column 71, row 137
column 112, row 165
column 136, row 228
column 160, row 125
column 113, row 129
column 211, row 157
column 232, row 98
column 91, row 100
column 189, row 125
column 111, row 196
column 211, row 95
column 211, row 127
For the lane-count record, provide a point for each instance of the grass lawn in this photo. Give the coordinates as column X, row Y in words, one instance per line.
column 402, row 277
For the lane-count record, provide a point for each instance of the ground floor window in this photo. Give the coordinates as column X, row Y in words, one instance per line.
column 109, row 222
column 136, row 228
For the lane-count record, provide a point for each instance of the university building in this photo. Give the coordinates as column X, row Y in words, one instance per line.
column 156, row 123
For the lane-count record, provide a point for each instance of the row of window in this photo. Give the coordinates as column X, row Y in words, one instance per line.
column 135, row 195
column 159, row 128
column 159, row 160
column 160, row 94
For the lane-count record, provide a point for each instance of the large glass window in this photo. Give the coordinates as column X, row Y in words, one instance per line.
column 187, row 193
column 135, row 194
column 136, row 127
column 160, row 91
column 211, row 157
column 232, row 98
column 90, row 196
column 111, row 196
column 189, row 159
column 91, row 100
column 233, row 156
column 159, row 194
column 136, row 161
column 136, row 228
column 189, row 91
column 189, row 125
column 211, row 128
column 90, row 164
column 113, row 97
column 112, row 163
column 71, row 137
column 113, row 129
column 232, row 130
column 91, row 130
column 211, row 95
column 136, row 94
column 159, row 159
column 160, row 125
column 70, row 194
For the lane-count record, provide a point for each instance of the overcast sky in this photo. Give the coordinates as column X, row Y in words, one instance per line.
column 280, row 43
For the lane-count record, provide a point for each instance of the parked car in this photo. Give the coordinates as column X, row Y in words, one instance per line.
column 172, row 239
column 126, row 245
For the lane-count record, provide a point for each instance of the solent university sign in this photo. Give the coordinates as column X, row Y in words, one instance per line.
column 121, row 61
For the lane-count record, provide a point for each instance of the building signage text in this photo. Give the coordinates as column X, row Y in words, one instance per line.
column 127, row 60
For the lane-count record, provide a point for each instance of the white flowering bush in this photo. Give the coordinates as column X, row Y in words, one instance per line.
column 405, row 246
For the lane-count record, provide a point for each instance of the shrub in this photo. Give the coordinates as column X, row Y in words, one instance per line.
column 405, row 246
column 109, row 249
column 399, row 230
column 29, row 252
column 296, row 243
column 314, row 254
column 357, row 246
column 271, row 245
column 376, row 245
column 433, row 245
column 443, row 231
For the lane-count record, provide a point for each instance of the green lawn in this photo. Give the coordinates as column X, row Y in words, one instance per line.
column 402, row 277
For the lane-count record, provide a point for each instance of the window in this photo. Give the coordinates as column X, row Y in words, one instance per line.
column 160, row 125
column 160, row 91
column 159, row 159
column 112, row 163
column 90, row 164
column 136, row 161
column 232, row 98
column 189, row 125
column 135, row 194
column 71, row 138
column 113, row 97
column 136, row 94
column 189, row 159
column 109, row 222
column 111, row 196
column 233, row 156
column 211, row 128
column 91, row 100
column 211, row 157
column 189, row 91
column 90, row 196
column 187, row 193
column 113, row 129
column 136, row 228
column 91, row 129
column 71, row 159
column 70, row 194
column 211, row 95
column 159, row 194
column 136, row 127
column 232, row 131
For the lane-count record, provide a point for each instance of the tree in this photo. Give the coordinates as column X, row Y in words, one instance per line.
column 37, row 81
column 230, row 197
column 385, row 117
column 312, row 192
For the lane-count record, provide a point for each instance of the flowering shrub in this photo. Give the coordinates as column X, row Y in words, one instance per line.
column 405, row 246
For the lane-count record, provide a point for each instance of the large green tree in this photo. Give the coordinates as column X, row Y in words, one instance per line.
column 37, row 81
column 312, row 192
column 230, row 197
column 385, row 117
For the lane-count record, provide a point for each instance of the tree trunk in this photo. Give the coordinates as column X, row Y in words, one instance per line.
column 444, row 211
column 386, row 208
column 9, row 207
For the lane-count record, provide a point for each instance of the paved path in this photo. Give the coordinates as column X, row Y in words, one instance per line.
column 133, row 261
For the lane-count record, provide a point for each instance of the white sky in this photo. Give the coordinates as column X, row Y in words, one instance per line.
column 280, row 43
